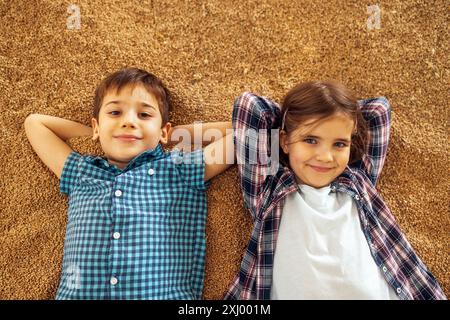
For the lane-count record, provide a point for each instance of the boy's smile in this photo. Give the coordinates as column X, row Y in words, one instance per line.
column 130, row 123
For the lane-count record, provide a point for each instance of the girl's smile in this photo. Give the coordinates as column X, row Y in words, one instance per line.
column 319, row 152
column 320, row 169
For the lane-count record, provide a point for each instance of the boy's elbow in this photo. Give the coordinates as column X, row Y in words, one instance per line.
column 34, row 117
column 31, row 122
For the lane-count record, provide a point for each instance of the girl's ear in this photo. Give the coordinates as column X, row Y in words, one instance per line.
column 95, row 129
column 284, row 141
column 165, row 131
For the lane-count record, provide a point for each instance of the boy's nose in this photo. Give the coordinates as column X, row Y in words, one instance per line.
column 128, row 124
column 129, row 120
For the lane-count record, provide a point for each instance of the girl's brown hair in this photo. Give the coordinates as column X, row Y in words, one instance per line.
column 134, row 76
column 319, row 100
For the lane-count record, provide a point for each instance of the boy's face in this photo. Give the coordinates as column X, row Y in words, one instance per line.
column 129, row 124
column 319, row 154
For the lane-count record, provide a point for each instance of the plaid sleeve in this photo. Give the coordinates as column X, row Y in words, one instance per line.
column 377, row 113
column 70, row 173
column 191, row 166
column 253, row 119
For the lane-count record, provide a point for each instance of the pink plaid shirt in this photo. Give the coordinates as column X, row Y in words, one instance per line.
column 265, row 190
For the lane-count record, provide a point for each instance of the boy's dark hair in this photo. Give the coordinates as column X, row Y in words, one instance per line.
column 134, row 76
column 321, row 99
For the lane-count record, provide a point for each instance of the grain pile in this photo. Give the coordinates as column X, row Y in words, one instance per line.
column 208, row 52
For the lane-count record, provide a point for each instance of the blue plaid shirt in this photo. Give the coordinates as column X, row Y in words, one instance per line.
column 136, row 233
column 265, row 191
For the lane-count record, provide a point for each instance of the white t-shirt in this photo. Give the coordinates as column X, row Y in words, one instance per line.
column 321, row 251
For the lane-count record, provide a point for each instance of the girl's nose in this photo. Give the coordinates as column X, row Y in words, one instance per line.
column 324, row 155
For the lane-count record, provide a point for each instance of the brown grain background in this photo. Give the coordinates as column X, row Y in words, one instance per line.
column 208, row 52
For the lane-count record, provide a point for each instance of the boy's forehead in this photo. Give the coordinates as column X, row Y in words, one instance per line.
column 130, row 92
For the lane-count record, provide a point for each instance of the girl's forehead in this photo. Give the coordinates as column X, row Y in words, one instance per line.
column 335, row 125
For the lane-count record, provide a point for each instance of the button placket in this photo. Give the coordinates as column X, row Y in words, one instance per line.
column 116, row 216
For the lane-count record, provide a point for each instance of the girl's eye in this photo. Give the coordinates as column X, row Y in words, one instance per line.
column 340, row 144
column 145, row 115
column 310, row 141
column 114, row 113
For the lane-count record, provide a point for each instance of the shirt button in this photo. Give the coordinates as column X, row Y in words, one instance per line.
column 118, row 193
column 151, row 172
column 113, row 281
column 384, row 269
column 116, row 235
column 357, row 198
column 399, row 290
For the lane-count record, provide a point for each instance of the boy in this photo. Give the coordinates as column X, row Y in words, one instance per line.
column 136, row 217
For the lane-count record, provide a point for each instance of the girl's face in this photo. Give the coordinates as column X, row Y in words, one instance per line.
column 319, row 152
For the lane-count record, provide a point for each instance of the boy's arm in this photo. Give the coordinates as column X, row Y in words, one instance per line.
column 48, row 136
column 377, row 113
column 199, row 133
column 219, row 154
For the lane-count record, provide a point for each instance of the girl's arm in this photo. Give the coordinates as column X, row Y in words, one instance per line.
column 377, row 113
column 254, row 119
column 48, row 136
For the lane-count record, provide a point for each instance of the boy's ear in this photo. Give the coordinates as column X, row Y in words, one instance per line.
column 165, row 133
column 283, row 141
column 95, row 130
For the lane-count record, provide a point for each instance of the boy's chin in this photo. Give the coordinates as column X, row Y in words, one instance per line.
column 121, row 158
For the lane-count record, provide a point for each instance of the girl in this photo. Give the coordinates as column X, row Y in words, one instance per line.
column 321, row 229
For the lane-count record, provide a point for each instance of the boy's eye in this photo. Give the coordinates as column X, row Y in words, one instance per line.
column 142, row 114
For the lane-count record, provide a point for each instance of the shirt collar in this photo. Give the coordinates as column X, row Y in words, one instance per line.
column 148, row 155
